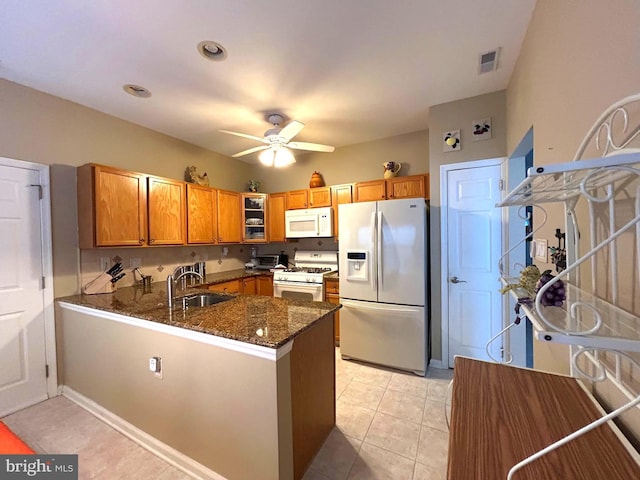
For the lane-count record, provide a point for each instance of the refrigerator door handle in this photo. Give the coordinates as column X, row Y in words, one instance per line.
column 379, row 249
column 373, row 261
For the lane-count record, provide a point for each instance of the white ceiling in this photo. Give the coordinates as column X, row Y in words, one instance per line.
column 351, row 70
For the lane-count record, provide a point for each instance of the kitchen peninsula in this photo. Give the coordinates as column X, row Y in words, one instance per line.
column 246, row 386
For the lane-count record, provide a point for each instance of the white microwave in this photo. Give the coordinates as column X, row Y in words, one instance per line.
column 309, row 223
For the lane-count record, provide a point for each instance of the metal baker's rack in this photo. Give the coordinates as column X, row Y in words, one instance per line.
column 603, row 337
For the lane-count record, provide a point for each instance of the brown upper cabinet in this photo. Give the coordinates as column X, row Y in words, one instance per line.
column 340, row 194
column 229, row 217
column 320, row 197
column 167, row 212
column 408, row 187
column 201, row 214
column 297, row 199
column 369, row 191
column 392, row 188
column 113, row 206
column 277, row 206
column 254, row 217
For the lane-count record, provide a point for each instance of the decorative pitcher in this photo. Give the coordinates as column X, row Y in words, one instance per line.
column 391, row 169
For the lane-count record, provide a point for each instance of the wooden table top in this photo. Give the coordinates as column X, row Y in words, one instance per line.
column 502, row 414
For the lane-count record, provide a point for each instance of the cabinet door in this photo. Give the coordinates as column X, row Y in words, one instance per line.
column 277, row 206
column 320, row 197
column 167, row 212
column 232, row 286
column 229, row 217
column 254, row 217
column 249, row 286
column 119, row 200
column 265, row 285
column 340, row 194
column 332, row 295
column 407, row 187
column 370, row 191
column 201, row 214
column 297, row 199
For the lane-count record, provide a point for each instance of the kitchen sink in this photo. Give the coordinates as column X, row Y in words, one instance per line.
column 201, row 300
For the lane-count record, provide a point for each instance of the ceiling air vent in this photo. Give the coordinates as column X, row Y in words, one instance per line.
column 489, row 61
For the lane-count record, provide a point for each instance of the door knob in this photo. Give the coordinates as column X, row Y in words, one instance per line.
column 457, row 280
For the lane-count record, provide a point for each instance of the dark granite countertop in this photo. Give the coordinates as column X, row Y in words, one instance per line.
column 220, row 277
column 260, row 320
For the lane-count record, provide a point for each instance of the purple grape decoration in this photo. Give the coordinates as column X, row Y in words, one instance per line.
column 555, row 294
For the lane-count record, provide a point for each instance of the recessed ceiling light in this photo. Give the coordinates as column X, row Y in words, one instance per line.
column 136, row 90
column 212, row 50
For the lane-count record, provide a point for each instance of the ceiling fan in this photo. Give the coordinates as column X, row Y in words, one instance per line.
column 276, row 138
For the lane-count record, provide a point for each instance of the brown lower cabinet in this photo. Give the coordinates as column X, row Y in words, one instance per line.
column 232, row 286
column 332, row 295
column 254, row 285
column 249, row 286
column 265, row 285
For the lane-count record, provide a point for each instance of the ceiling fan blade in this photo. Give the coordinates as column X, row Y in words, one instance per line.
column 245, row 135
column 291, row 130
column 314, row 147
column 251, row 150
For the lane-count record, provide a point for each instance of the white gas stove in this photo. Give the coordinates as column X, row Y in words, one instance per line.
column 304, row 281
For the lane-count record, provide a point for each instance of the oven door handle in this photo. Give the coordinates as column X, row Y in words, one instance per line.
column 308, row 286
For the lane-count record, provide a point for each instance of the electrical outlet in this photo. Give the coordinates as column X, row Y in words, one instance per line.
column 135, row 262
column 225, row 251
column 155, row 366
column 105, row 263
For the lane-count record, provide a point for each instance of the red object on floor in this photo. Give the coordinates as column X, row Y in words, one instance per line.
column 10, row 444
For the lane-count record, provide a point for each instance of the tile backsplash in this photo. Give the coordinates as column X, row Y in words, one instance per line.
column 159, row 262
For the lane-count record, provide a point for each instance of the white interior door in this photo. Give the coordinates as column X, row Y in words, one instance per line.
column 474, row 245
column 22, row 331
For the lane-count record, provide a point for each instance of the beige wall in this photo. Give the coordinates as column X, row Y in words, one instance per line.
column 454, row 116
column 578, row 57
column 40, row 128
column 353, row 163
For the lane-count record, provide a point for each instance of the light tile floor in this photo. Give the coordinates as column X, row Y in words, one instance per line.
column 58, row 425
column 390, row 425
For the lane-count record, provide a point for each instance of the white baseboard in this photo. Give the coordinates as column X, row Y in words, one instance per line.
column 437, row 364
column 155, row 446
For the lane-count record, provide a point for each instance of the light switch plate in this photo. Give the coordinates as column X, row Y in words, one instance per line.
column 540, row 250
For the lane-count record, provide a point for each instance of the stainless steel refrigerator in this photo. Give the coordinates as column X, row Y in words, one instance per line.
column 383, row 283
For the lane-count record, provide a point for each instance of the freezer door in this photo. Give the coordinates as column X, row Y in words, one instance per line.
column 402, row 252
column 357, row 262
column 391, row 335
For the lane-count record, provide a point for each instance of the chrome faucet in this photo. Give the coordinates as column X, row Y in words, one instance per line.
column 171, row 284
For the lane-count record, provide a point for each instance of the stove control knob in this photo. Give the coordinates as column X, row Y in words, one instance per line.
column 310, row 280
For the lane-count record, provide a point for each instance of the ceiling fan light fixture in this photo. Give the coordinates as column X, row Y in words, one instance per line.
column 267, row 157
column 283, row 158
column 277, row 156
column 212, row 50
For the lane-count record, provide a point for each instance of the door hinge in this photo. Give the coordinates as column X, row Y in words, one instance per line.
column 43, row 283
column 39, row 190
column 46, row 370
column 501, row 184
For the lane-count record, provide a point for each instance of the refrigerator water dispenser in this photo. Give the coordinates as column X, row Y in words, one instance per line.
column 357, row 266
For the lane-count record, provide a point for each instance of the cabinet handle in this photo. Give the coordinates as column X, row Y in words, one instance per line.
column 219, row 239
column 382, row 196
column 141, row 240
column 151, row 240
